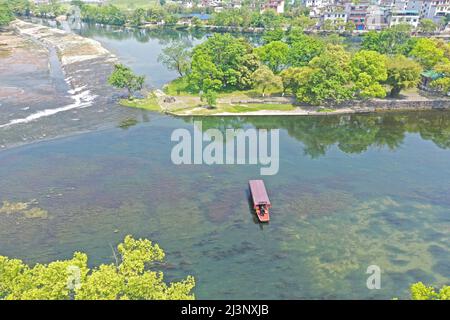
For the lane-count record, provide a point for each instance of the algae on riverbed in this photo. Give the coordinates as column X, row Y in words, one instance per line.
column 23, row 208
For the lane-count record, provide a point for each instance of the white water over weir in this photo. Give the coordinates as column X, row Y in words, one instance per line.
column 81, row 100
column 66, row 51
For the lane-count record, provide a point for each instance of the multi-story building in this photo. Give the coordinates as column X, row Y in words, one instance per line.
column 357, row 13
column 335, row 14
column 376, row 18
column 435, row 9
column 318, row 7
column 317, row 3
column 410, row 17
column 430, row 9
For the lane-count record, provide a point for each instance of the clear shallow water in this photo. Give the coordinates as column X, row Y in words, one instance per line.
column 352, row 191
column 335, row 212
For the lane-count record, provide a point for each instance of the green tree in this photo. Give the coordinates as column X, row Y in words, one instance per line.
column 403, row 73
column 176, row 56
column 131, row 277
column 18, row 7
column 6, row 14
column 265, row 79
column 274, row 55
column 420, row 291
column 138, row 17
column 205, row 75
column 350, row 26
column 303, row 49
column 328, row 25
column 122, row 77
column 369, row 71
column 107, row 14
column 327, row 78
column 427, row 26
column 273, row 35
column 394, row 40
column 442, row 84
column 220, row 62
column 290, row 79
column 427, row 53
column 304, row 23
column 211, row 98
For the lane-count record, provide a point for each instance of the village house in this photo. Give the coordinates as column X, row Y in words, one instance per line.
column 410, row 17
column 427, row 9
column 276, row 5
column 357, row 13
column 376, row 17
column 334, row 14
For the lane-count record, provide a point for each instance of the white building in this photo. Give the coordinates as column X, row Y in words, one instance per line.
column 429, row 9
column 410, row 17
column 435, row 9
column 335, row 14
column 317, row 3
column 376, row 17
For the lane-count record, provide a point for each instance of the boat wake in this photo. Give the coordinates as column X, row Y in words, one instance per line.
column 81, row 100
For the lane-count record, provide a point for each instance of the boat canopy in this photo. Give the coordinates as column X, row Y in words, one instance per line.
column 259, row 193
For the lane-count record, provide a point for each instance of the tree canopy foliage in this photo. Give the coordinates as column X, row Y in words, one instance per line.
column 428, row 53
column 316, row 70
column 131, row 277
column 176, row 56
column 443, row 83
column 274, row 55
column 265, row 79
column 394, row 40
column 420, row 291
column 369, row 71
column 403, row 73
column 6, row 15
column 222, row 62
column 122, row 77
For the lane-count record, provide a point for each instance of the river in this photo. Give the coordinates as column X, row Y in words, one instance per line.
column 352, row 191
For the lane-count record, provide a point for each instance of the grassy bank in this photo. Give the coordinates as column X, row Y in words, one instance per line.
column 149, row 103
column 178, row 100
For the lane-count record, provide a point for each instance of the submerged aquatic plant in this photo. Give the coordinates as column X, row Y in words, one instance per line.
column 24, row 208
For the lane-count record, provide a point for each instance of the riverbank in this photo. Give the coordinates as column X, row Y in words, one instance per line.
column 248, row 103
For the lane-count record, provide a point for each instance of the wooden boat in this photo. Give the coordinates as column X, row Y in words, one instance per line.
column 261, row 202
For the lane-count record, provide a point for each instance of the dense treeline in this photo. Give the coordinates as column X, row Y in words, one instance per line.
column 6, row 14
column 315, row 70
column 246, row 17
column 28, row 8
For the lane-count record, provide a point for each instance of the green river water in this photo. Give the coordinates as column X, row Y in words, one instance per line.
column 352, row 191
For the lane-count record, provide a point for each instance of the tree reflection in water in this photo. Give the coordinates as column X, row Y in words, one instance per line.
column 352, row 134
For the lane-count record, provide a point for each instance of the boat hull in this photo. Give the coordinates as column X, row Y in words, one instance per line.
column 261, row 202
column 262, row 217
